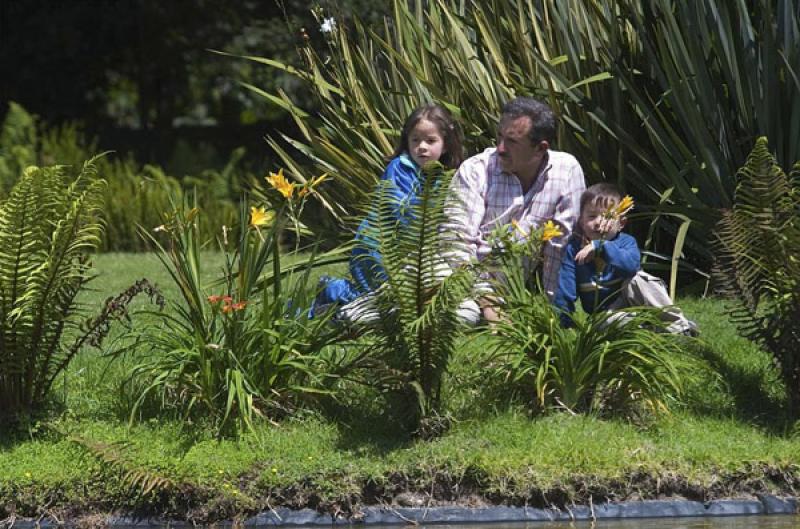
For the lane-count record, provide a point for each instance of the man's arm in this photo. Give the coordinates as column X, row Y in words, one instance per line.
column 566, row 213
column 464, row 212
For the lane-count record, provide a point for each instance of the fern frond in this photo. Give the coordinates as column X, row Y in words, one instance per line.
column 758, row 260
column 418, row 303
column 115, row 459
column 47, row 225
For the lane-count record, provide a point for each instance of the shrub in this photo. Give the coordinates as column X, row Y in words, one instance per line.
column 603, row 364
column 134, row 196
column 414, row 322
column 17, row 146
column 243, row 348
column 48, row 226
column 607, row 362
column 138, row 197
column 758, row 261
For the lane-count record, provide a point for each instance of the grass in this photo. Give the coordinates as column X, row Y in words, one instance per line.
column 729, row 439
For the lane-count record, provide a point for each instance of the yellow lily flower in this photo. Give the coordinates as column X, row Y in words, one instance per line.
column 621, row 209
column 260, row 216
column 550, row 231
column 279, row 182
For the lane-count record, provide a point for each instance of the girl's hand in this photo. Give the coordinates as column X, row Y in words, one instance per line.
column 585, row 253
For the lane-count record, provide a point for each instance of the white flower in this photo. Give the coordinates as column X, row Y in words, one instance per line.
column 328, row 25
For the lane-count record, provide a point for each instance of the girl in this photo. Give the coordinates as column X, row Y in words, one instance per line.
column 429, row 134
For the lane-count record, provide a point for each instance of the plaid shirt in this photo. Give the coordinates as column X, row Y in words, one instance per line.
column 484, row 196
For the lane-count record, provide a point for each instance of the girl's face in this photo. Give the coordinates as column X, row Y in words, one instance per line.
column 425, row 142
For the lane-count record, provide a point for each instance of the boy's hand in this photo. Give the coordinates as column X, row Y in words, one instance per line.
column 609, row 227
column 585, row 253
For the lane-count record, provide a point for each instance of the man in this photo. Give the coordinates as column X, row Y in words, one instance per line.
column 521, row 179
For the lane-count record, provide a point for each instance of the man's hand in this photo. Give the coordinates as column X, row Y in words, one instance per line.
column 490, row 309
column 585, row 253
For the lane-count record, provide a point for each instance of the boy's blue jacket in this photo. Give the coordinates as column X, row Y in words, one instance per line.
column 596, row 289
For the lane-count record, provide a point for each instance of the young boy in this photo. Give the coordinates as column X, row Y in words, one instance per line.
column 601, row 266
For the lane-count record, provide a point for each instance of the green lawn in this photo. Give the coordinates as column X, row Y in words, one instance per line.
column 728, row 439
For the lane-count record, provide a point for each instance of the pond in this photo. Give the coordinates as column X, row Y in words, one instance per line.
column 726, row 522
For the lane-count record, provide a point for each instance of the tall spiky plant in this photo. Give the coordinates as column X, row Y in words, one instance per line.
column 758, row 261
column 48, row 225
column 247, row 348
column 662, row 96
column 412, row 338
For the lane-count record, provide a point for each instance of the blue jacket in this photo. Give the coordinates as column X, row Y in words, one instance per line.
column 596, row 289
column 366, row 264
column 402, row 176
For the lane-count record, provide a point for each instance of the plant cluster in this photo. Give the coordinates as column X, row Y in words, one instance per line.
column 245, row 347
column 758, row 261
column 608, row 362
column 133, row 195
column 662, row 97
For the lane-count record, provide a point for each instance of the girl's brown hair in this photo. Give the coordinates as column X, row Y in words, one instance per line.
column 451, row 133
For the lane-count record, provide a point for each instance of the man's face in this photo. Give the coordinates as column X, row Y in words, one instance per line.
column 517, row 154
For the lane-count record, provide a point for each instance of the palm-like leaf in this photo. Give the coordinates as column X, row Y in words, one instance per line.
column 664, row 97
column 758, row 260
column 418, row 323
column 47, row 227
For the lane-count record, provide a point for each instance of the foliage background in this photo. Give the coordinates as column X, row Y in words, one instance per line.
column 665, row 98
column 139, row 77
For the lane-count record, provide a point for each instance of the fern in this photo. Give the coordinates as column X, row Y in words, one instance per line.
column 758, row 261
column 47, row 227
column 115, row 459
column 418, row 324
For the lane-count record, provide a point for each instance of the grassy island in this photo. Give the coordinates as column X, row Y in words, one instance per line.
column 729, row 438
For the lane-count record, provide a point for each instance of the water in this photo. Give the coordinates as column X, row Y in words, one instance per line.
column 732, row 522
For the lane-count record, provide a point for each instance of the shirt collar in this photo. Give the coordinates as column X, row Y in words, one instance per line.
column 406, row 160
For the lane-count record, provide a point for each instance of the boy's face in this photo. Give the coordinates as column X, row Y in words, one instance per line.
column 595, row 226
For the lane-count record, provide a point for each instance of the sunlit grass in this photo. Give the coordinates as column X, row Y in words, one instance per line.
column 730, row 423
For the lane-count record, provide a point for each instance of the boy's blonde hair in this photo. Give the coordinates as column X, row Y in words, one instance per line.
column 603, row 194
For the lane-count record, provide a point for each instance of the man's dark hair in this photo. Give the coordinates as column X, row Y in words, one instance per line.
column 543, row 121
column 603, row 194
